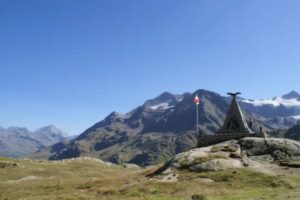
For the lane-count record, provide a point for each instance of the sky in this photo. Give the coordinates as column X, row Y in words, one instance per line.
column 72, row 62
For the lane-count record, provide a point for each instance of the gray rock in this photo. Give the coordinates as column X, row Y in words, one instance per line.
column 248, row 152
column 260, row 146
column 216, row 164
column 130, row 166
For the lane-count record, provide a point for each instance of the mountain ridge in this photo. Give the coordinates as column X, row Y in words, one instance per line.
column 148, row 136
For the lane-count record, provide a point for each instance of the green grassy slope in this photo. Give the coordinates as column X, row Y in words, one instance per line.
column 84, row 179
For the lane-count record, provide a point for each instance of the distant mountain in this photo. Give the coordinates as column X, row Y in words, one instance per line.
column 164, row 126
column 287, row 106
column 49, row 135
column 291, row 133
column 292, row 95
column 18, row 142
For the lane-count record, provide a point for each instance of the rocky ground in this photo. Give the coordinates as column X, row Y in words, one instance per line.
column 270, row 155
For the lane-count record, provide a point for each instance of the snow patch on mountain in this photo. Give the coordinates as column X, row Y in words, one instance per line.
column 161, row 106
column 297, row 117
column 277, row 101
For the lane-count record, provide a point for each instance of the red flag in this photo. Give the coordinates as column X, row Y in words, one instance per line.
column 196, row 100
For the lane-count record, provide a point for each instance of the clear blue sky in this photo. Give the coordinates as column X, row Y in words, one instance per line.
column 71, row 63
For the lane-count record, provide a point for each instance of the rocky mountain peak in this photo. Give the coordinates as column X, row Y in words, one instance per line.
column 292, row 95
column 165, row 97
column 164, row 101
column 51, row 130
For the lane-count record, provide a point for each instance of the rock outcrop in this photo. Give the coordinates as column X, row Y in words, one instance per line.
column 248, row 152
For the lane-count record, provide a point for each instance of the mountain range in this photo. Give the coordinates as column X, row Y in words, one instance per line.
column 165, row 125
column 19, row 142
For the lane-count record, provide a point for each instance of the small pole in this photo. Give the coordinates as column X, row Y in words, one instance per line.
column 197, row 101
column 197, row 119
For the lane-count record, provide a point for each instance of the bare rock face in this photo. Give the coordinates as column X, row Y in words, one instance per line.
column 243, row 153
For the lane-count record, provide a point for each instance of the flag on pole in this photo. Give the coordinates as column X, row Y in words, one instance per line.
column 196, row 100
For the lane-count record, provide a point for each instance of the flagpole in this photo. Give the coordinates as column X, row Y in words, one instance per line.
column 197, row 101
column 197, row 120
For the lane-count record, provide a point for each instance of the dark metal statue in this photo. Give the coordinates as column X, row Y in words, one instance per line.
column 234, row 94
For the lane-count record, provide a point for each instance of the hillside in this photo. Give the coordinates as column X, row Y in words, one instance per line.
column 90, row 178
column 164, row 126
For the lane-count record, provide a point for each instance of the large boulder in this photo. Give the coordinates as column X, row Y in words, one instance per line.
column 198, row 155
column 245, row 152
column 260, row 146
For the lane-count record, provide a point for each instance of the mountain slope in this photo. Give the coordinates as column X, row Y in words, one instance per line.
column 18, row 142
column 293, row 132
column 158, row 129
column 148, row 134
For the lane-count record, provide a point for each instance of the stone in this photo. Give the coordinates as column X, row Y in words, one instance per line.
column 130, row 166
column 216, row 164
column 259, row 146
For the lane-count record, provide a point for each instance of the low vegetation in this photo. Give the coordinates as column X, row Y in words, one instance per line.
column 84, row 179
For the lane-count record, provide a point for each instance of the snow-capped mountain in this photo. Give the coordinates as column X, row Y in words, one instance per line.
column 276, row 101
column 49, row 135
column 291, row 99
column 276, row 113
column 165, row 125
column 286, row 106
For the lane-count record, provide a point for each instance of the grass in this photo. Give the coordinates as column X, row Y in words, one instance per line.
column 87, row 180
